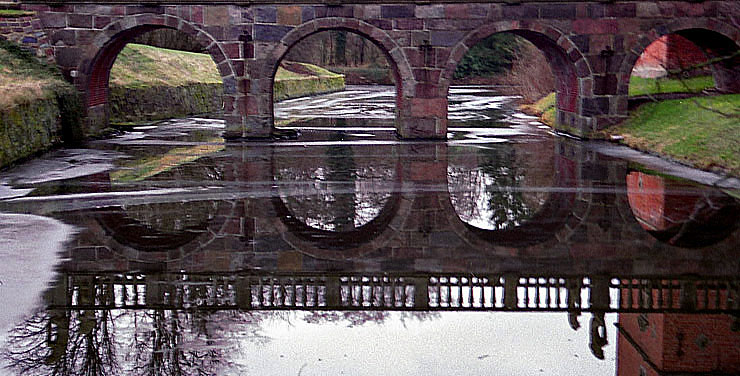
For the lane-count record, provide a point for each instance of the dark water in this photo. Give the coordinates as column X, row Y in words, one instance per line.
column 506, row 251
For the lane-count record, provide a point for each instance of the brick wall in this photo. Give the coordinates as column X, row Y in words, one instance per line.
column 669, row 52
column 681, row 343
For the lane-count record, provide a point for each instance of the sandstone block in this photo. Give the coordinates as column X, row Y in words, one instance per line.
column 397, row 11
column 289, row 15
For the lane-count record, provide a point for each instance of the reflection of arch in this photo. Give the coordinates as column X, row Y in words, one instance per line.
column 338, row 240
column 545, row 225
column 132, row 233
column 305, row 237
column 679, row 213
column 402, row 73
column 96, row 65
column 715, row 38
column 132, row 240
column 566, row 61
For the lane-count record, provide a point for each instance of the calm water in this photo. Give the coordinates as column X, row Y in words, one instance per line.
column 507, row 250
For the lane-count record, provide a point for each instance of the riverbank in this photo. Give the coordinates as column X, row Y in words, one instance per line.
column 703, row 132
column 696, row 129
column 38, row 109
column 295, row 80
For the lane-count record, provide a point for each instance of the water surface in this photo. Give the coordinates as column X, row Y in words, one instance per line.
column 506, row 250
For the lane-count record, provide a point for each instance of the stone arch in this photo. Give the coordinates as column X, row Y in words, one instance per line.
column 96, row 63
column 402, row 72
column 716, row 38
column 568, row 64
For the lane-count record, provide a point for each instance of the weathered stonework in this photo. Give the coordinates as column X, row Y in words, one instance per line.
column 592, row 47
column 28, row 128
column 300, row 87
column 163, row 102
column 27, row 32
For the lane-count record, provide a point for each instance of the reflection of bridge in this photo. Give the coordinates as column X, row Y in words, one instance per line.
column 592, row 47
column 396, row 291
column 587, row 227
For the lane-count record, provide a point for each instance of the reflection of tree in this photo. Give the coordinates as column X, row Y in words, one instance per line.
column 340, row 196
column 161, row 351
column 152, row 342
column 359, row 318
column 64, row 343
column 488, row 194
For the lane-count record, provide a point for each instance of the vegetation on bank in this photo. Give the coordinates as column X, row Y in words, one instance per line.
column 38, row 109
column 23, row 79
column 488, row 57
column 301, row 79
column 141, row 66
column 144, row 66
column 702, row 131
column 544, row 108
column 649, row 86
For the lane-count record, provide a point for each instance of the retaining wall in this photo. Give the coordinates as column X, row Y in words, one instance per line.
column 301, row 87
column 29, row 128
column 132, row 104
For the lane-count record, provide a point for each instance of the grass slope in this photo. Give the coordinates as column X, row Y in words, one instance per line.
column 141, row 66
column 689, row 130
column 24, row 79
column 646, row 86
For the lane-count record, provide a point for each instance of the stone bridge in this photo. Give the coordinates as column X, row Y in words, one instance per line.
column 592, row 47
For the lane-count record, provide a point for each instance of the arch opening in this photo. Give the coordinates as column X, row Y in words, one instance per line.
column 530, row 63
column 171, row 60
column 687, row 61
column 334, row 79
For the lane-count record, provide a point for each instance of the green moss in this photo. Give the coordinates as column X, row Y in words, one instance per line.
column 15, row 13
column 294, row 88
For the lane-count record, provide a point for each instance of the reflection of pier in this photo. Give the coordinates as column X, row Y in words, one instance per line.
column 403, row 292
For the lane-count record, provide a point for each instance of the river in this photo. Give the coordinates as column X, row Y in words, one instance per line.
column 507, row 250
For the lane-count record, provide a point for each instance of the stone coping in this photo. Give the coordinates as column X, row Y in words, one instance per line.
column 318, row 2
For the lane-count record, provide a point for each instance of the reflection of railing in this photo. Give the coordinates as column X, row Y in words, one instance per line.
column 439, row 292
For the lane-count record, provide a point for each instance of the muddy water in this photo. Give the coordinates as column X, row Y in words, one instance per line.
column 507, row 250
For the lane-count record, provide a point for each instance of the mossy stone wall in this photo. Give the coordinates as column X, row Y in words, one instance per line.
column 301, row 87
column 29, row 128
column 132, row 104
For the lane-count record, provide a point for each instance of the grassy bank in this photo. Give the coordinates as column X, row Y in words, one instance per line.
column 648, row 86
column 38, row 109
column 301, row 79
column 23, row 79
column 141, row 66
column 703, row 132
column 545, row 106
column 144, row 66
